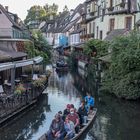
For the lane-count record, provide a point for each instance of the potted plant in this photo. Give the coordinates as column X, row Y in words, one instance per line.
column 20, row 89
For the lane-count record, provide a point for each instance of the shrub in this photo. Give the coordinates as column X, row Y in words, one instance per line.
column 123, row 76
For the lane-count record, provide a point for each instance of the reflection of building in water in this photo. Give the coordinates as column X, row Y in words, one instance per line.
column 63, row 82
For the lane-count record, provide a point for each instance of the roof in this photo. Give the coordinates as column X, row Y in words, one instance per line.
column 9, row 17
column 115, row 33
column 4, row 56
column 71, row 24
column 79, row 45
column 64, row 22
column 77, row 31
column 10, row 55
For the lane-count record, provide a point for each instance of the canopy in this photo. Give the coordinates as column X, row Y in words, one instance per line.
column 38, row 59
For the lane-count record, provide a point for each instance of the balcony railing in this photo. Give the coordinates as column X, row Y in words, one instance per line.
column 118, row 9
column 10, row 33
column 6, row 33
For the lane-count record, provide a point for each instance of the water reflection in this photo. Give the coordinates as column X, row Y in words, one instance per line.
column 36, row 122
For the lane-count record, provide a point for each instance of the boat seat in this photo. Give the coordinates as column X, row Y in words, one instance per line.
column 84, row 124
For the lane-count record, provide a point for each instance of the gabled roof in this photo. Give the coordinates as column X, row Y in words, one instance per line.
column 77, row 31
column 71, row 24
column 9, row 17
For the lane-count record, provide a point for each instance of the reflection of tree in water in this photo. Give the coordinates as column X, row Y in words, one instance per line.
column 116, row 119
column 34, row 119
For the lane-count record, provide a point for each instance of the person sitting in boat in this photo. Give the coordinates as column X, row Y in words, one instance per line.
column 66, row 111
column 57, row 130
column 61, row 114
column 82, row 111
column 69, row 128
column 73, row 116
column 89, row 102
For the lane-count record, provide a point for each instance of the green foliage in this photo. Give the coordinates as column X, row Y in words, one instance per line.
column 51, row 9
column 123, row 76
column 35, row 13
column 96, row 45
column 40, row 82
column 39, row 47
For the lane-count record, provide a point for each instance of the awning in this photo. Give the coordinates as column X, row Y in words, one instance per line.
column 79, row 45
column 38, row 59
column 24, row 63
column 106, row 58
column 5, row 66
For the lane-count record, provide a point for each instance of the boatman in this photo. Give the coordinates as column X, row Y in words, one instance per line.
column 89, row 102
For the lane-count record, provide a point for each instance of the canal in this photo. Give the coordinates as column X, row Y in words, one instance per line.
column 116, row 119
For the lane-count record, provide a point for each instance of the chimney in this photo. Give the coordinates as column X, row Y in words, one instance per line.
column 6, row 8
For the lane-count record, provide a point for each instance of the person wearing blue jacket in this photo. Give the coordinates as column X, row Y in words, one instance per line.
column 89, row 102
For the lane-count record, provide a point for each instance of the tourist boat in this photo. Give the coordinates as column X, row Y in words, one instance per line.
column 61, row 66
column 91, row 118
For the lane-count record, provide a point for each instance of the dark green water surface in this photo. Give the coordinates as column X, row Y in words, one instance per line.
column 116, row 119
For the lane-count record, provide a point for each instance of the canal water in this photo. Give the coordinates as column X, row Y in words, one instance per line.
column 116, row 119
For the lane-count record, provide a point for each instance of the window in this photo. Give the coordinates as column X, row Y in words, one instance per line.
column 112, row 24
column 97, row 29
column 89, row 28
column 128, row 22
column 101, row 35
column 111, row 3
column 0, row 12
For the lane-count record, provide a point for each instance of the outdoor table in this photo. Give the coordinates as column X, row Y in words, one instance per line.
column 24, row 76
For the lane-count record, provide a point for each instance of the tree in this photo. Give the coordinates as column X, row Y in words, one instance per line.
column 123, row 76
column 41, row 47
column 96, row 47
column 51, row 9
column 36, row 12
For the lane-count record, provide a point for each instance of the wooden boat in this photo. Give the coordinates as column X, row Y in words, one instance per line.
column 61, row 66
column 91, row 118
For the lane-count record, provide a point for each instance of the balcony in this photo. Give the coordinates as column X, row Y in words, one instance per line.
column 6, row 33
column 120, row 8
column 16, row 34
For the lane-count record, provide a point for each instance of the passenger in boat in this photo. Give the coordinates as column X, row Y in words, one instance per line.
column 66, row 111
column 72, row 106
column 82, row 111
column 61, row 114
column 89, row 102
column 57, row 130
column 73, row 116
column 70, row 129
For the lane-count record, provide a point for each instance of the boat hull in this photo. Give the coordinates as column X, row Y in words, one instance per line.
column 91, row 119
